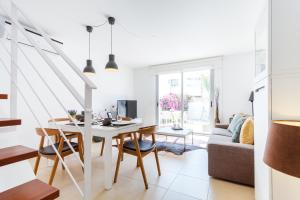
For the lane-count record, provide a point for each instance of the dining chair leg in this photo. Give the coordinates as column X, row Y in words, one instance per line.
column 140, row 160
column 137, row 162
column 102, row 147
column 157, row 161
column 118, row 165
column 63, row 167
column 81, row 154
column 53, row 171
column 37, row 163
column 80, row 147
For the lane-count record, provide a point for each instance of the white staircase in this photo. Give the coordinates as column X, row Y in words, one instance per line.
column 9, row 177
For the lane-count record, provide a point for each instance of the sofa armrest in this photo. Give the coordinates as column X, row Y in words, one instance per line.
column 223, row 126
column 231, row 161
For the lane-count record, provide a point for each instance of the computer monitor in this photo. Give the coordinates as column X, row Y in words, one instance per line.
column 127, row 108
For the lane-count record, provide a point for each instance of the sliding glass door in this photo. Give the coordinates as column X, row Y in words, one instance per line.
column 197, row 100
column 185, row 100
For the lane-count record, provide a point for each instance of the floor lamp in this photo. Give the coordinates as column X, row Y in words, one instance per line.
column 283, row 147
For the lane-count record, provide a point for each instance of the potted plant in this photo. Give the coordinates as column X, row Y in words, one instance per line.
column 217, row 98
column 171, row 102
column 72, row 113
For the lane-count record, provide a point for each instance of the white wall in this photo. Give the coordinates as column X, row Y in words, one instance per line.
column 234, row 78
column 145, row 93
column 237, row 83
column 285, row 82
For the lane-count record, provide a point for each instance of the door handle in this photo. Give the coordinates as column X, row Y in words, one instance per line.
column 260, row 88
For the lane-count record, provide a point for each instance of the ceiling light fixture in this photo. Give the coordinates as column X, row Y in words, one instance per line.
column 111, row 64
column 89, row 69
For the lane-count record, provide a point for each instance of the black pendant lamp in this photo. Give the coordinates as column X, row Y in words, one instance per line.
column 89, row 69
column 111, row 65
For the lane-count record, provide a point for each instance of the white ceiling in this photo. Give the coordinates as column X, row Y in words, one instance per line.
column 157, row 31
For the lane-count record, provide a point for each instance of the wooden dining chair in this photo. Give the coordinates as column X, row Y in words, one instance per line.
column 62, row 147
column 139, row 147
column 102, row 139
column 69, row 135
column 95, row 138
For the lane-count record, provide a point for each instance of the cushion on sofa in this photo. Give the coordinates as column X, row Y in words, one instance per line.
column 221, row 131
column 247, row 132
column 215, row 139
column 234, row 122
column 237, row 129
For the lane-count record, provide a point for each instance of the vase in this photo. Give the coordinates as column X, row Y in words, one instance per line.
column 217, row 119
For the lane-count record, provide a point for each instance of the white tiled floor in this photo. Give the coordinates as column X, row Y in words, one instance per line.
column 183, row 178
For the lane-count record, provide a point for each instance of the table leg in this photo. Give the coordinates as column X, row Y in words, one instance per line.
column 192, row 138
column 184, row 143
column 108, row 165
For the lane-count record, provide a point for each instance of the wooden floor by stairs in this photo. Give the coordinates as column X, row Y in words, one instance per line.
column 32, row 190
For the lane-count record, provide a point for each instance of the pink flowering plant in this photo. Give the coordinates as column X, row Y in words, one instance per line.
column 170, row 102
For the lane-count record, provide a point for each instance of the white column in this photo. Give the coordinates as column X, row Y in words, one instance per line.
column 108, row 163
column 14, row 71
column 88, row 144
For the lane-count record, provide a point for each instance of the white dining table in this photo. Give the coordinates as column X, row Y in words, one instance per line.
column 107, row 132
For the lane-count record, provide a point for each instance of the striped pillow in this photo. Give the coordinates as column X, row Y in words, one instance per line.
column 234, row 121
column 237, row 129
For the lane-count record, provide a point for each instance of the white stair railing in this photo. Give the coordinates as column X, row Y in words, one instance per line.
column 59, row 52
column 39, row 98
column 44, row 131
column 85, row 102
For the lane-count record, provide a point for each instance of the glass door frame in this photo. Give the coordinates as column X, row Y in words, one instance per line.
column 212, row 90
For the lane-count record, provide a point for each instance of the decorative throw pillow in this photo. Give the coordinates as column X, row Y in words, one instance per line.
column 247, row 132
column 233, row 122
column 237, row 129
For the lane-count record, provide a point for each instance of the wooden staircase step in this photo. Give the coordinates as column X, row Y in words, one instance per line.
column 15, row 154
column 3, row 96
column 9, row 122
column 32, row 190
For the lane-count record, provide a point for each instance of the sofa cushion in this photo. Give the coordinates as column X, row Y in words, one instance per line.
column 247, row 132
column 221, row 131
column 216, row 139
column 237, row 130
column 234, row 122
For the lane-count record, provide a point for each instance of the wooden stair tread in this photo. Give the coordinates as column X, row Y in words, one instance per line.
column 15, row 154
column 3, row 96
column 9, row 122
column 32, row 190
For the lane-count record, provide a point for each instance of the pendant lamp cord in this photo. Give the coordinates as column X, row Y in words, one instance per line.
column 89, row 45
column 111, row 38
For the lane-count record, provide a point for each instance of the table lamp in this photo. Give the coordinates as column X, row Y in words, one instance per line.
column 283, row 147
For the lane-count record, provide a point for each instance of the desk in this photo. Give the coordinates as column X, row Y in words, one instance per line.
column 108, row 133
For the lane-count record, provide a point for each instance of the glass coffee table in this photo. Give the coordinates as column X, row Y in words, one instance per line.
column 168, row 131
